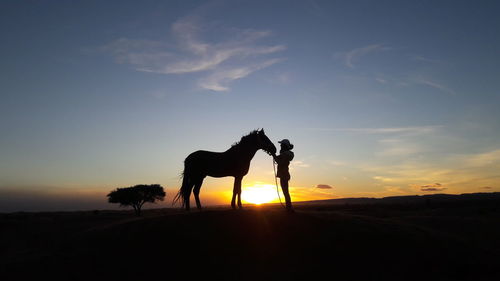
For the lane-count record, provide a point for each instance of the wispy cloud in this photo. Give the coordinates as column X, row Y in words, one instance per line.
column 354, row 55
column 424, row 59
column 411, row 81
column 399, row 147
column 236, row 55
column 435, row 85
column 336, row 163
column 432, row 187
column 205, row 56
column 405, row 173
column 394, row 141
column 414, row 76
column 479, row 160
column 414, row 130
column 324, row 186
column 218, row 80
column 311, row 193
column 299, row 164
column 462, row 173
column 141, row 54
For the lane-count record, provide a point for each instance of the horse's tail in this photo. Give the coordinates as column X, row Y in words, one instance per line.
column 185, row 191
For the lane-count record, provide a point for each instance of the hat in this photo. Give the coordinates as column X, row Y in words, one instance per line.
column 286, row 142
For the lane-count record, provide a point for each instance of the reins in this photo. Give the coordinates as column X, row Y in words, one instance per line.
column 276, row 182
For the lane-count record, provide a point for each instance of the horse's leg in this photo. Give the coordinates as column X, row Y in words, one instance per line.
column 237, row 187
column 196, row 192
column 234, row 196
column 188, row 195
column 236, row 192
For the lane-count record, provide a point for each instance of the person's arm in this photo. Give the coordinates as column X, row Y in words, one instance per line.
column 276, row 157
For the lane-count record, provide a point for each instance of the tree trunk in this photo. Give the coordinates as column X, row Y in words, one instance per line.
column 137, row 209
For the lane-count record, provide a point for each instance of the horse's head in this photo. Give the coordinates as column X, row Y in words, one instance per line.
column 265, row 143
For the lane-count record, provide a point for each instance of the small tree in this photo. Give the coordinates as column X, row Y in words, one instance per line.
column 137, row 195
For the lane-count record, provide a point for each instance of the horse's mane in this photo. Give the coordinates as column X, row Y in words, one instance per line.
column 245, row 138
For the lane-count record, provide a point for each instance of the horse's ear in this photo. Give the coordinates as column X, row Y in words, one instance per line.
column 261, row 131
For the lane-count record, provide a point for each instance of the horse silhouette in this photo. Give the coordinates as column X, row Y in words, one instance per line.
column 234, row 162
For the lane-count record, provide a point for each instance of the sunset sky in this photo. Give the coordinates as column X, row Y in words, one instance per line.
column 380, row 98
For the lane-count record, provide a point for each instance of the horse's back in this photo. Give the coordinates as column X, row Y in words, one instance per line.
column 202, row 155
column 209, row 163
column 203, row 159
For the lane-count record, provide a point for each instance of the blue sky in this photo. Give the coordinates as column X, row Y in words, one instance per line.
column 380, row 98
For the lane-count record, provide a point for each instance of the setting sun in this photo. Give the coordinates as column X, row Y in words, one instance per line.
column 259, row 193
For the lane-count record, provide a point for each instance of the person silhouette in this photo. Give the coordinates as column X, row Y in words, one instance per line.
column 283, row 161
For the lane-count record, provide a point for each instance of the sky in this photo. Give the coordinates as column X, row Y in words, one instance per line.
column 379, row 98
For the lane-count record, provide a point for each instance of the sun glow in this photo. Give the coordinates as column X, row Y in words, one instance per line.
column 259, row 193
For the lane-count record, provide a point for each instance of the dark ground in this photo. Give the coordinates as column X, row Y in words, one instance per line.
column 440, row 241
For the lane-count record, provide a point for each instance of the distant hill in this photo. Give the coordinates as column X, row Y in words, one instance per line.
column 411, row 199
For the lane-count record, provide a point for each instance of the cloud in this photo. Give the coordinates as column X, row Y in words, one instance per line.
column 142, row 54
column 413, row 130
column 324, row 186
column 424, row 59
column 400, row 146
column 458, row 176
column 400, row 150
column 428, row 187
column 432, row 187
column 336, row 163
column 307, row 193
column 395, row 189
column 461, row 172
column 280, row 78
column 355, row 54
column 394, row 141
column 384, row 179
column 299, row 163
column 233, row 56
column 436, row 85
column 481, row 159
column 219, row 80
column 206, row 56
column 406, row 171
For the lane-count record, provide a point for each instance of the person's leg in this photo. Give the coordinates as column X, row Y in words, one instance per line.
column 284, row 187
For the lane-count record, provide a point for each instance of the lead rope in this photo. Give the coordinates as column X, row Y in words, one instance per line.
column 276, row 182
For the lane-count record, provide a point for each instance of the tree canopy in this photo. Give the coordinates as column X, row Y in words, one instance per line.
column 137, row 195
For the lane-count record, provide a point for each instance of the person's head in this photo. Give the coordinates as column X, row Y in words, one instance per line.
column 285, row 144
